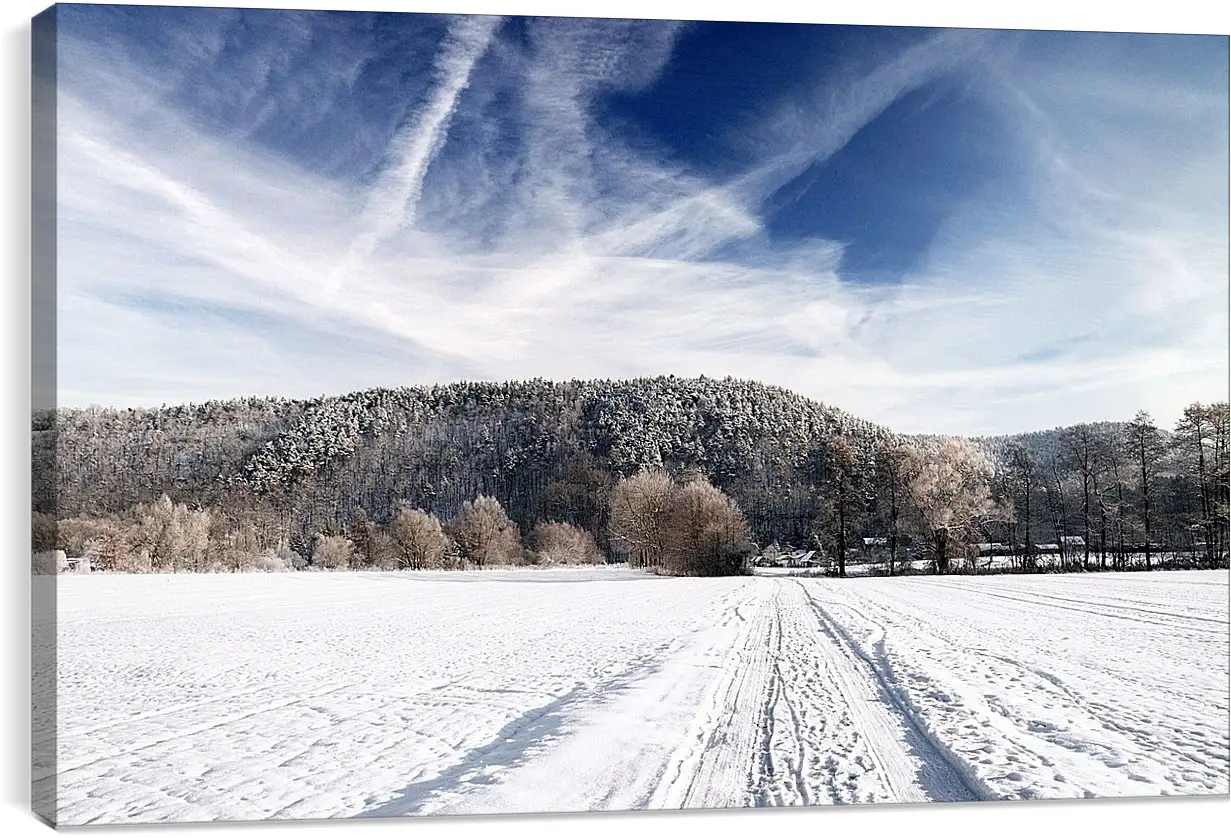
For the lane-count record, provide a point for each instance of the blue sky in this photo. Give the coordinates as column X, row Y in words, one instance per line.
column 966, row 231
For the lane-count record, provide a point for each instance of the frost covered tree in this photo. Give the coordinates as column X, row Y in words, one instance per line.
column 951, row 496
column 707, row 534
column 558, row 543
column 332, row 552
column 172, row 535
column 158, row 532
column 484, row 533
column 554, row 451
column 108, row 546
column 638, row 519
column 419, row 542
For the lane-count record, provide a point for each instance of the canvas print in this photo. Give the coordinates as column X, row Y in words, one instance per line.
column 445, row 414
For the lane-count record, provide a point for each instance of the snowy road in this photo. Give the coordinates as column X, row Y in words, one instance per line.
column 362, row 695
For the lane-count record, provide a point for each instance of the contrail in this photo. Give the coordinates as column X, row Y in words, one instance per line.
column 393, row 200
column 725, row 212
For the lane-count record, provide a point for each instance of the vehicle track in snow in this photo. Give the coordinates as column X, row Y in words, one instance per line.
column 831, row 731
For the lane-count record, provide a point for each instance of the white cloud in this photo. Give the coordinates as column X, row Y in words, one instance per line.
column 569, row 254
column 393, row 201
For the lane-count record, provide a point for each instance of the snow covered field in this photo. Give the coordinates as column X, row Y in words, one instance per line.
column 342, row 695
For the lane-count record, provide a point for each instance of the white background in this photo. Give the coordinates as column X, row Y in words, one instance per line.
column 1123, row 817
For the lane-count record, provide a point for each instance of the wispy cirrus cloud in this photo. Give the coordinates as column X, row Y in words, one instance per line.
column 392, row 202
column 385, row 200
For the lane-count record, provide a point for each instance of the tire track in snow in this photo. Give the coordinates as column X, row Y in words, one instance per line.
column 808, row 720
column 709, row 767
column 871, row 692
column 664, row 736
column 1113, row 611
column 1063, row 708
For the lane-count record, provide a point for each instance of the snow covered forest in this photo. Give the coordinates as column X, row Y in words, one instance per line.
column 688, row 476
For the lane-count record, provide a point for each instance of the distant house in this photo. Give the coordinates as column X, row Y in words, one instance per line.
column 801, row 558
column 1073, row 542
column 1047, row 548
column 875, row 545
column 992, row 548
column 795, row 558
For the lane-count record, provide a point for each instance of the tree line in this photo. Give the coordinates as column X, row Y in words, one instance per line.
column 278, row 476
column 165, row 536
column 1106, row 496
column 1131, row 489
column 687, row 528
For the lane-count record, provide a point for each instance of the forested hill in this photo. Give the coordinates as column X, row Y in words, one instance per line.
column 546, row 450
column 1047, row 445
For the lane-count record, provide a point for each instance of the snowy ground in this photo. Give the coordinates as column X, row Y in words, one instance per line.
column 343, row 695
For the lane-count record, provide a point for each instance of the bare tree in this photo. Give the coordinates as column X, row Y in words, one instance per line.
column 638, row 518
column 1201, row 440
column 417, row 539
column 1023, row 475
column 1145, row 441
column 842, row 503
column 1113, row 509
column 951, row 496
column 897, row 465
column 484, row 534
column 1220, row 511
column 1081, row 443
column 1056, row 486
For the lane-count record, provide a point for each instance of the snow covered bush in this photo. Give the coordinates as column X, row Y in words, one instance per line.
column 638, row 522
column 111, row 549
column 484, row 534
column 291, row 558
column 417, row 539
column 270, row 562
column 706, row 533
column 555, row 543
column 332, row 552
